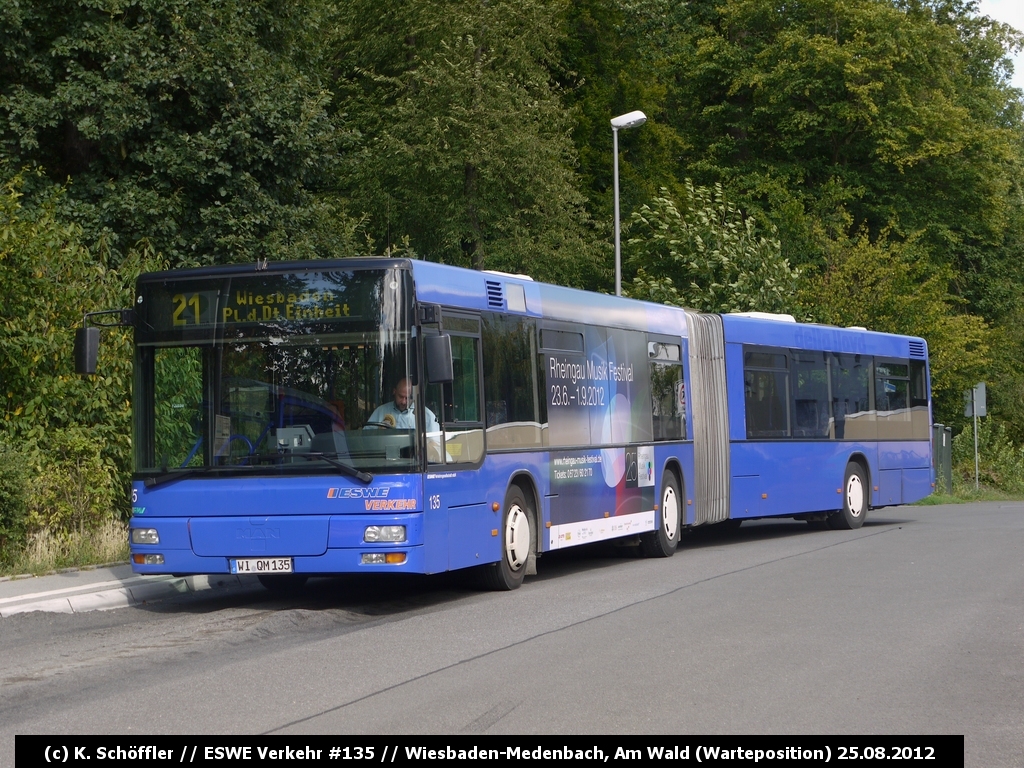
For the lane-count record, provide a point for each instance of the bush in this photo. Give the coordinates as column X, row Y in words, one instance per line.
column 50, row 279
column 13, row 503
column 1000, row 462
column 73, row 486
column 706, row 254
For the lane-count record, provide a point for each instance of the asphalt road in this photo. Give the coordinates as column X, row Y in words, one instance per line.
column 913, row 624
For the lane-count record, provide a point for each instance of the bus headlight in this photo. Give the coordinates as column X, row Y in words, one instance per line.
column 145, row 536
column 385, row 533
column 148, row 559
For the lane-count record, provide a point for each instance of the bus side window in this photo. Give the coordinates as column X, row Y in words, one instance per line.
column 851, row 408
column 511, row 390
column 921, row 430
column 810, row 404
column 766, row 392
column 462, row 422
column 465, row 398
column 892, row 400
column 668, row 392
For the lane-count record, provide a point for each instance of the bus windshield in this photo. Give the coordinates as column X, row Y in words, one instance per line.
column 276, row 373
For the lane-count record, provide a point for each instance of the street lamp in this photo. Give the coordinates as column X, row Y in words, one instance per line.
column 628, row 120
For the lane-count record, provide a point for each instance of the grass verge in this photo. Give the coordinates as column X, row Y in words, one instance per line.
column 966, row 496
column 46, row 552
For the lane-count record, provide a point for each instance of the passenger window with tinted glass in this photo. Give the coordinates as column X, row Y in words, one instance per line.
column 668, row 393
column 851, row 406
column 892, row 401
column 810, row 395
column 921, row 428
column 766, row 393
column 511, row 393
column 465, row 403
column 463, row 432
column 668, row 402
column 766, row 398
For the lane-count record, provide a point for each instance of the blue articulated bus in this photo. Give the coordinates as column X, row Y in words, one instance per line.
column 394, row 415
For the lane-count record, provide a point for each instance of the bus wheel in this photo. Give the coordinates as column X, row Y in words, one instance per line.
column 663, row 542
column 285, row 582
column 855, row 500
column 516, row 544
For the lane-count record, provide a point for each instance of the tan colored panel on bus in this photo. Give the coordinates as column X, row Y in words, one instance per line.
column 922, row 428
column 860, row 426
column 893, row 425
column 516, row 434
column 465, row 447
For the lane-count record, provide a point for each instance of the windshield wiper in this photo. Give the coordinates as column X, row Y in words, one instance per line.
column 178, row 474
column 332, row 459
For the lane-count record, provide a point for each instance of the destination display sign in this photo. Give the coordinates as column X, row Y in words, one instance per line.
column 281, row 300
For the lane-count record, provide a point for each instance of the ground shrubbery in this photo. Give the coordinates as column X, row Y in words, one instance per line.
column 72, row 488
column 65, row 441
column 60, row 503
column 14, row 474
column 1000, row 462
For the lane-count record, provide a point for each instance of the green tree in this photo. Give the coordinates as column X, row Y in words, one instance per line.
column 466, row 149
column 613, row 60
column 890, row 287
column 50, row 278
column 705, row 255
column 848, row 116
column 202, row 127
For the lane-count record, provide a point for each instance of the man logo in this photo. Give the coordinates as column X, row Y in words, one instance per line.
column 258, row 533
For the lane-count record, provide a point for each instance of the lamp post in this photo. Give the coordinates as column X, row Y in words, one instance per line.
column 628, row 120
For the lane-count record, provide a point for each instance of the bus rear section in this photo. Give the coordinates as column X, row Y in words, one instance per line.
column 825, row 422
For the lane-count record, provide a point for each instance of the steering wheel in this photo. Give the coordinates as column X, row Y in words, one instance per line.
column 379, row 424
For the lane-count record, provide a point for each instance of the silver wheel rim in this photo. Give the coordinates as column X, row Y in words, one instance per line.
column 670, row 512
column 517, row 537
column 855, row 495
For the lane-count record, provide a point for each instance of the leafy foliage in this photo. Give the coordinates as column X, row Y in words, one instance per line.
column 707, row 256
column 467, row 152
column 849, row 116
column 14, row 475
column 1000, row 462
column 201, row 127
column 74, row 486
column 47, row 410
column 891, row 287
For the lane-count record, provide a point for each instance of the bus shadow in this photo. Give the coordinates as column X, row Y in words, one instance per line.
column 766, row 529
column 607, row 554
column 363, row 597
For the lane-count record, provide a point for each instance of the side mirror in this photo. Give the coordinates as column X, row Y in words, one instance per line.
column 438, row 352
column 87, row 350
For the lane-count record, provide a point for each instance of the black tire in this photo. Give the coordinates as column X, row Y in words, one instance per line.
column 285, row 582
column 663, row 541
column 855, row 500
column 517, row 544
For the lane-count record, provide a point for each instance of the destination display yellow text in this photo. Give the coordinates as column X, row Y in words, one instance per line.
column 246, row 306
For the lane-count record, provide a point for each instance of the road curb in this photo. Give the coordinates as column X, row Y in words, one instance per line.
column 137, row 590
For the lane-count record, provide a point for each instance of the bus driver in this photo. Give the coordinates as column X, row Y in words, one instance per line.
column 401, row 413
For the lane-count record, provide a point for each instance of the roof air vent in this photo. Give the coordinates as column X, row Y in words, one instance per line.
column 495, row 299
